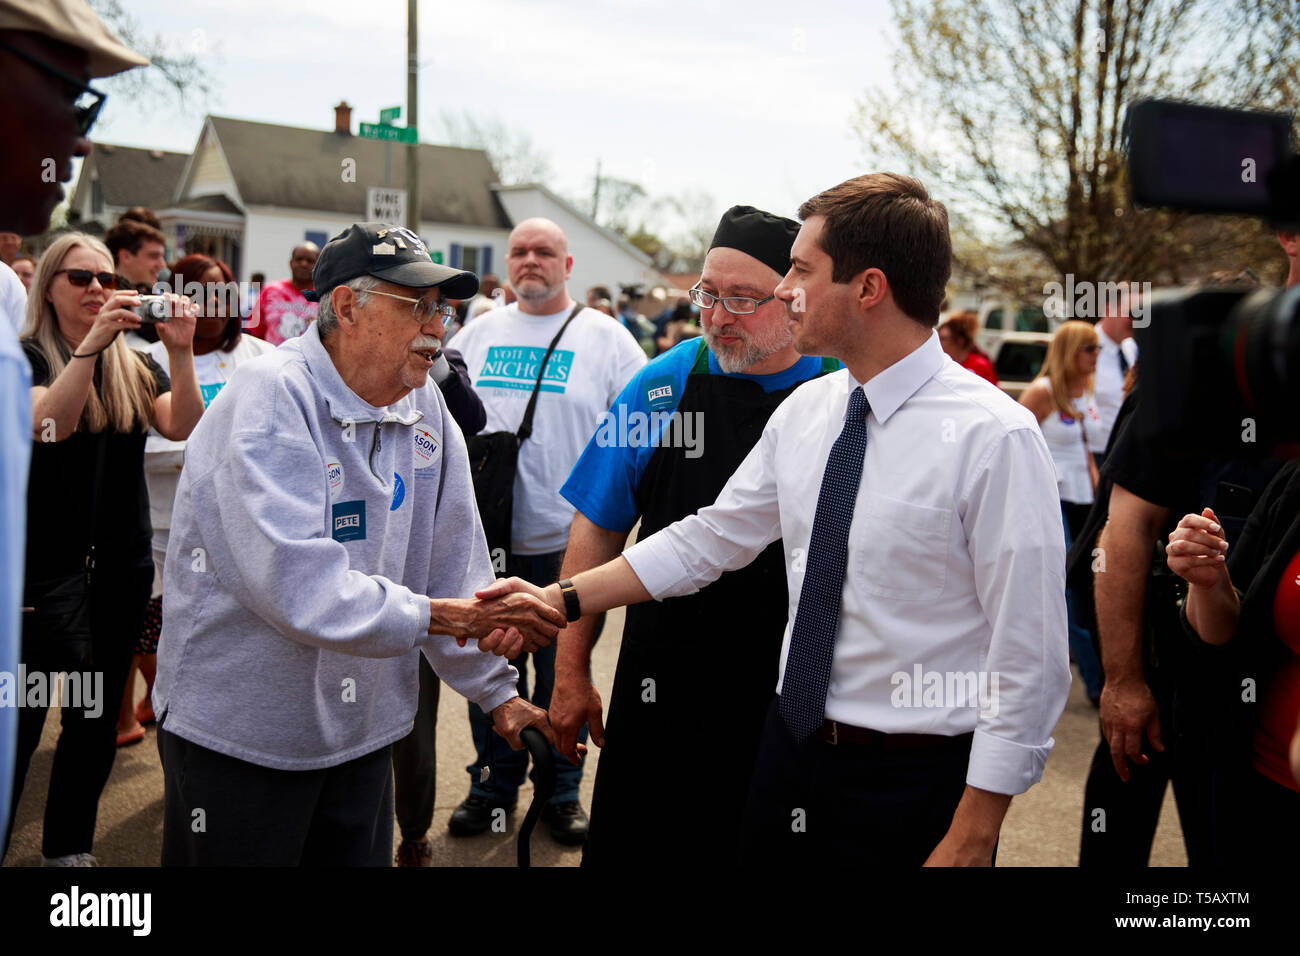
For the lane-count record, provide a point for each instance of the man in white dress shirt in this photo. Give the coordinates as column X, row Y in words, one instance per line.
column 1118, row 353
column 925, row 659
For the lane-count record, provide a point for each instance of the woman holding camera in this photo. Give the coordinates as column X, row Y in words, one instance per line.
column 219, row 348
column 88, row 564
column 1245, row 611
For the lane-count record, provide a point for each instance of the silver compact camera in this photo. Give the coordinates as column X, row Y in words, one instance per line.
column 153, row 308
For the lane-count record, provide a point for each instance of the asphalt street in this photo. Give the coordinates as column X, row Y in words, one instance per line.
column 1041, row 829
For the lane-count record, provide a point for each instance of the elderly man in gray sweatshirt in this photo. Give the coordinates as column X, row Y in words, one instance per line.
column 324, row 534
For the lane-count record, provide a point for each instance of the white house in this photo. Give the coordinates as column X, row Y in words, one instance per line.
column 250, row 192
column 600, row 257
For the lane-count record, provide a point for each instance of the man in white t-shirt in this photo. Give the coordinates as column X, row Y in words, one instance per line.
column 592, row 361
column 1118, row 353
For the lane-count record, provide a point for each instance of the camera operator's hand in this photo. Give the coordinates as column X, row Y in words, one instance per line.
column 514, row 715
column 177, row 334
column 114, row 316
column 1197, row 551
column 1128, row 710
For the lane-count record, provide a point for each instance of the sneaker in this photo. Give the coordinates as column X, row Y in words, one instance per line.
column 75, row 859
column 474, row 815
column 567, row 821
column 415, row 853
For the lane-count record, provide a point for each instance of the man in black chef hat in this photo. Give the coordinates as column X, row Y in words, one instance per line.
column 705, row 402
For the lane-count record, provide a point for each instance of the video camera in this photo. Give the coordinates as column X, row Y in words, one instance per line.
column 1220, row 366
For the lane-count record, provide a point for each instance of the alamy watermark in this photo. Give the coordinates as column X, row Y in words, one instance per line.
column 638, row 429
column 946, row 689
column 1095, row 300
column 79, row 690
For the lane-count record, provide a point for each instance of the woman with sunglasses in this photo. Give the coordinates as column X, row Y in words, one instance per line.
column 1062, row 400
column 219, row 348
column 93, row 401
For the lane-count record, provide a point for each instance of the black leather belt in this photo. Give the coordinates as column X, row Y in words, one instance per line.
column 834, row 732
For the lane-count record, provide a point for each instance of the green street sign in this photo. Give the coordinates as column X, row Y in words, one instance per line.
column 436, row 256
column 387, row 116
column 395, row 134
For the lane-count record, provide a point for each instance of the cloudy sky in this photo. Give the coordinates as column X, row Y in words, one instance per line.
column 747, row 101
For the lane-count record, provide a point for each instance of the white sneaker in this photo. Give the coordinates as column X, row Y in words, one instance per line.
column 76, row 859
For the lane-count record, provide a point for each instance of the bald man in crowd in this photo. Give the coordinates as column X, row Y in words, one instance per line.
column 593, row 358
column 283, row 311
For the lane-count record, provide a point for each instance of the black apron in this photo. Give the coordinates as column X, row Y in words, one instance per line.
column 678, row 752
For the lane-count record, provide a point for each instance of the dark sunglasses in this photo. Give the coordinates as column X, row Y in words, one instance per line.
column 81, row 278
column 86, row 112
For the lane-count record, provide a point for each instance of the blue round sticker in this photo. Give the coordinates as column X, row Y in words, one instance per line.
column 399, row 492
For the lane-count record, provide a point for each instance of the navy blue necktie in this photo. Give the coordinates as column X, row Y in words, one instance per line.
column 812, row 640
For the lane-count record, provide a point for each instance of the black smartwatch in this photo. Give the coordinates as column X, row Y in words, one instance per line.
column 572, row 607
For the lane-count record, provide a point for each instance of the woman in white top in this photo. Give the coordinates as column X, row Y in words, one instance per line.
column 1062, row 401
column 219, row 348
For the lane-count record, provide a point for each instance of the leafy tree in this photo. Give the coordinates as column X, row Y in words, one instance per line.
column 1013, row 112
column 512, row 152
column 178, row 67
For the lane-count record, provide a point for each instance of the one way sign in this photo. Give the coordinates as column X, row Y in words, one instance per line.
column 385, row 205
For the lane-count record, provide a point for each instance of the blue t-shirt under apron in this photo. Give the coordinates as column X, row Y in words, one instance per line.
column 603, row 483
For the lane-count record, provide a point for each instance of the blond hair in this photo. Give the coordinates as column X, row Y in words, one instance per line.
column 124, row 398
column 1059, row 366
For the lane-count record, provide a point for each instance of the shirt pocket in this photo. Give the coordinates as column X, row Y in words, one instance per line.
column 900, row 549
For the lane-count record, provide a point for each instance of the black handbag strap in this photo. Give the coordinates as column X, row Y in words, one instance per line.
column 526, row 426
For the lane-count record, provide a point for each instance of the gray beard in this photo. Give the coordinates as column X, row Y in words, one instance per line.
column 535, row 294
column 752, row 349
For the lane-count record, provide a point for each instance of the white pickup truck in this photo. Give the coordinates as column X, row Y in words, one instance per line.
column 1015, row 336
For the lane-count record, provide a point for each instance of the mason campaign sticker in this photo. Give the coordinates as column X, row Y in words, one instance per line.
column 334, row 474
column 426, row 447
column 659, row 394
column 349, row 518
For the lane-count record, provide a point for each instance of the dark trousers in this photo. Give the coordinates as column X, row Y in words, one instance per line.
column 83, row 757
column 509, row 767
column 221, row 811
column 415, row 761
column 819, row 804
column 1260, row 832
column 1119, row 819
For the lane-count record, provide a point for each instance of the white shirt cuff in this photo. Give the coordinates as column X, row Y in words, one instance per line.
column 1004, row 766
column 656, row 564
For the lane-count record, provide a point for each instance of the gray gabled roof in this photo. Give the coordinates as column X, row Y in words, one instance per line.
column 136, row 177
column 211, row 204
column 303, row 169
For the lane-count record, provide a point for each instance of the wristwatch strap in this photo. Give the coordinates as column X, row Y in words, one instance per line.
column 572, row 607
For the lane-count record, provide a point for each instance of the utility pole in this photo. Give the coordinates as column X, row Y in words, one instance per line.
column 595, row 193
column 413, row 114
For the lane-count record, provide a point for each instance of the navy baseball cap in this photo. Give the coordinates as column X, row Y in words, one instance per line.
column 392, row 253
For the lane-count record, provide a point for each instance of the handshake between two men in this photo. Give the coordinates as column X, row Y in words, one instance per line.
column 508, row 618
column 512, row 616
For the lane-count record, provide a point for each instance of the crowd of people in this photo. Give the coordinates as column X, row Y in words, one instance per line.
column 860, row 563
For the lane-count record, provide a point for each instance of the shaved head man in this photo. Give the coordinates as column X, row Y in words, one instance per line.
column 539, row 264
column 283, row 312
column 506, row 351
column 301, row 264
